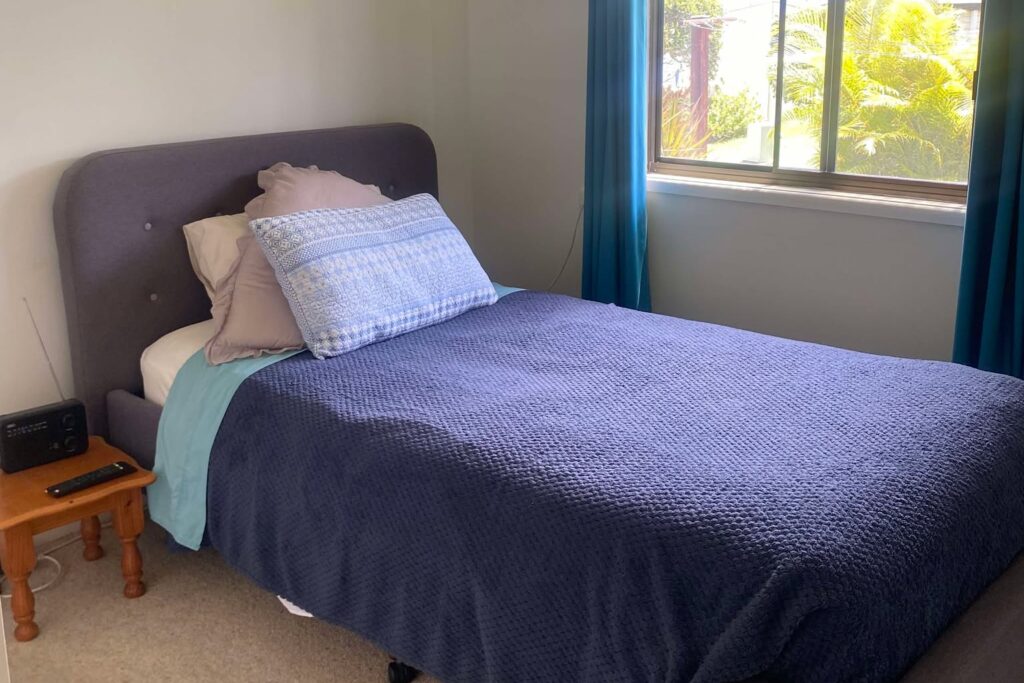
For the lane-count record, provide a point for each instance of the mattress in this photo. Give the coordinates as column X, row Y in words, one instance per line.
column 548, row 489
column 162, row 359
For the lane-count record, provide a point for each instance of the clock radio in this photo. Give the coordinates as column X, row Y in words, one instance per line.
column 42, row 435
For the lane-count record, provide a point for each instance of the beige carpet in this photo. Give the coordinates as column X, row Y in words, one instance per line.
column 199, row 621
column 202, row 621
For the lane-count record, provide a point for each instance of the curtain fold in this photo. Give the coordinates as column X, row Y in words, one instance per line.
column 990, row 318
column 615, row 208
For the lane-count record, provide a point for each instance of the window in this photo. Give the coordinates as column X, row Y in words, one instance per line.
column 869, row 96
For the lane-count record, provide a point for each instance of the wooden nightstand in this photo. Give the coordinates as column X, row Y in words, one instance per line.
column 26, row 510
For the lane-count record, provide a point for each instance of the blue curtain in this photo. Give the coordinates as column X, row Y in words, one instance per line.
column 990, row 320
column 615, row 210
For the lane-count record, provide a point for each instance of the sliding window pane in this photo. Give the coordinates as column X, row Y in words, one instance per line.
column 804, row 84
column 718, row 80
column 906, row 108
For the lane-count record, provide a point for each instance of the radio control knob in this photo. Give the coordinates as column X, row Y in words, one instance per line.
column 68, row 420
column 71, row 443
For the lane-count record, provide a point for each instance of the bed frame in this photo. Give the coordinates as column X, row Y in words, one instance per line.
column 125, row 269
column 128, row 281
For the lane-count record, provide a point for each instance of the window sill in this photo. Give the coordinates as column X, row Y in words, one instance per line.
column 919, row 211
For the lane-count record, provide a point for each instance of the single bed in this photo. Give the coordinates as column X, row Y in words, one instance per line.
column 469, row 541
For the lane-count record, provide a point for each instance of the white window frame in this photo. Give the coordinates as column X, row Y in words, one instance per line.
column 826, row 177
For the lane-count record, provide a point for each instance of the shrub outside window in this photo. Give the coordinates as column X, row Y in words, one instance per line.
column 869, row 96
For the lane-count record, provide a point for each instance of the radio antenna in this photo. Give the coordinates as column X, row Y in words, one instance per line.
column 42, row 345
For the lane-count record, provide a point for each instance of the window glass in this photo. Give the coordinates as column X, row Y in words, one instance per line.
column 718, row 80
column 907, row 97
column 900, row 91
column 804, row 84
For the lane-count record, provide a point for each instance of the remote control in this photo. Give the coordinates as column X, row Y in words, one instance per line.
column 84, row 481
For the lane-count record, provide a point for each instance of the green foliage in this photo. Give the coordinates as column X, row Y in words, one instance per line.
column 729, row 115
column 679, row 132
column 677, row 31
column 906, row 108
column 680, row 137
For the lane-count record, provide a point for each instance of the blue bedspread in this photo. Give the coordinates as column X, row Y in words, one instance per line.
column 555, row 490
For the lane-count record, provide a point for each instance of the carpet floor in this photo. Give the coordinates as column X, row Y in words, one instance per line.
column 202, row 621
column 199, row 621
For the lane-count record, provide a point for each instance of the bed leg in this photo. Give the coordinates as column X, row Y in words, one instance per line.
column 401, row 673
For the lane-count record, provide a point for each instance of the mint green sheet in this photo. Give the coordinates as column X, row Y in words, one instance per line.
column 192, row 414
column 502, row 290
column 191, row 417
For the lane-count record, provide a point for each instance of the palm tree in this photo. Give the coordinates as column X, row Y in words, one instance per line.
column 906, row 104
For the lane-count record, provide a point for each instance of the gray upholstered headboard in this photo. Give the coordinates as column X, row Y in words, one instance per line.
column 119, row 214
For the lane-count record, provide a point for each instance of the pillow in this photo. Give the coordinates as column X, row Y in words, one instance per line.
column 212, row 247
column 251, row 315
column 289, row 189
column 356, row 276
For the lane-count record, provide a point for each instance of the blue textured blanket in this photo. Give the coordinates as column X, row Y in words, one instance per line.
column 555, row 490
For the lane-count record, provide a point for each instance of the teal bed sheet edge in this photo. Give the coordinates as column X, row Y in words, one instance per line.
column 195, row 407
column 196, row 404
column 503, row 291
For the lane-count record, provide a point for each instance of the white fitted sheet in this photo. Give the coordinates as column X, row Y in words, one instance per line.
column 163, row 358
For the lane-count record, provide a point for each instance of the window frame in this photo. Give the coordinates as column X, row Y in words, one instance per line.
column 824, row 179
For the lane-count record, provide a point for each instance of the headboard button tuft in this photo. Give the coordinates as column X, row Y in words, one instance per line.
column 154, row 297
column 391, row 190
column 147, row 227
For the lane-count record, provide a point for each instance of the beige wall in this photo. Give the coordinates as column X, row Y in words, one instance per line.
column 862, row 282
column 872, row 284
column 527, row 97
column 77, row 77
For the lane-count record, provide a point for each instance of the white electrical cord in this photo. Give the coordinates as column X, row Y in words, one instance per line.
column 46, row 555
column 38, row 589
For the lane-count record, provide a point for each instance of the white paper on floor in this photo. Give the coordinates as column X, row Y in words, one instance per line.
column 293, row 608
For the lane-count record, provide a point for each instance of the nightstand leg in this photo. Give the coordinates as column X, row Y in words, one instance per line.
column 91, row 537
column 19, row 559
column 128, row 523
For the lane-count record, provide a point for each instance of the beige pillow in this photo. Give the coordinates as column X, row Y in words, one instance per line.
column 212, row 247
column 289, row 189
column 250, row 312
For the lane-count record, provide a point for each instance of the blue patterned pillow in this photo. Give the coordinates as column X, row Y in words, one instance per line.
column 356, row 276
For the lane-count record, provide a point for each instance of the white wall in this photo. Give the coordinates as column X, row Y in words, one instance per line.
column 879, row 285
column 78, row 77
column 439, row 75
column 5, row 672
column 872, row 284
column 527, row 95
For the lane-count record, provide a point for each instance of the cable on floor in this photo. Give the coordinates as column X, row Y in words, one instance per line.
column 46, row 555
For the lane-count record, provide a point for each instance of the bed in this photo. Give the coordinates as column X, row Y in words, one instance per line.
column 467, row 538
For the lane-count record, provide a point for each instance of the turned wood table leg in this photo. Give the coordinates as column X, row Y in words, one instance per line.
column 19, row 559
column 91, row 537
column 128, row 523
